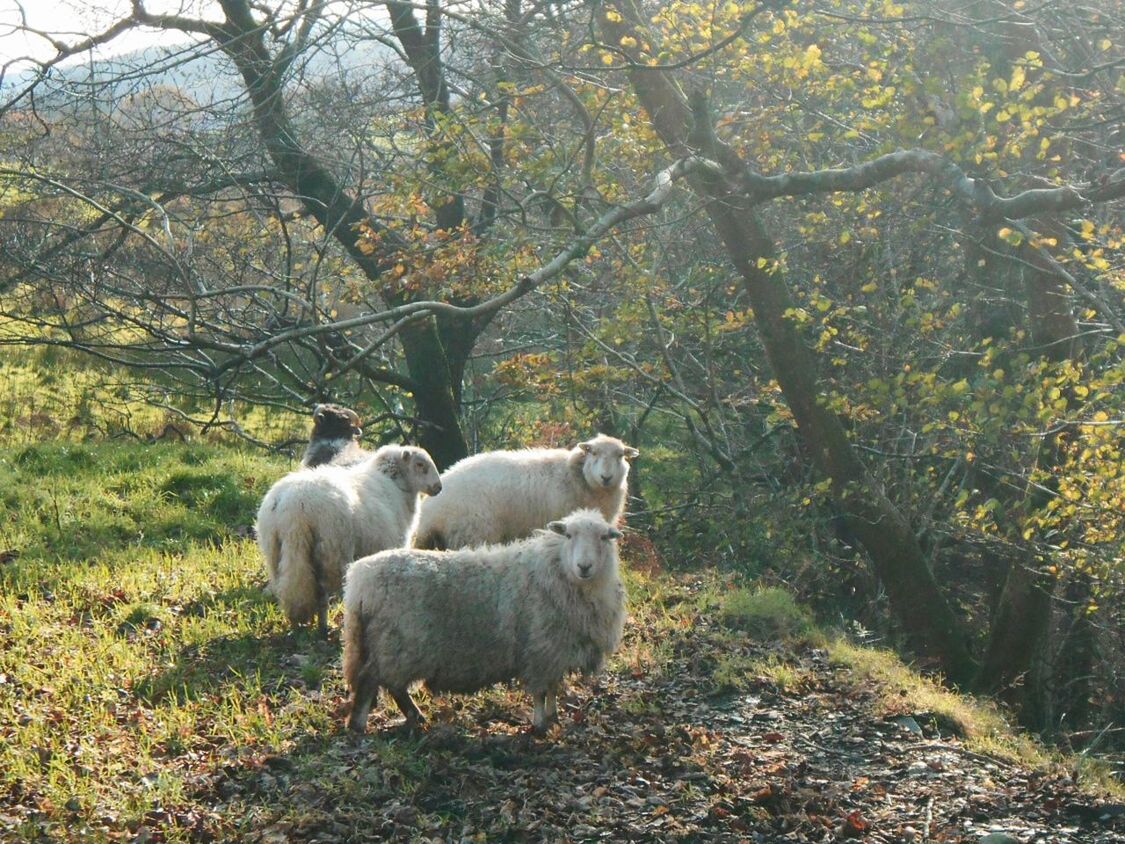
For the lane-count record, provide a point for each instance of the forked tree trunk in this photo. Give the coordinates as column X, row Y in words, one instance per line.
column 342, row 215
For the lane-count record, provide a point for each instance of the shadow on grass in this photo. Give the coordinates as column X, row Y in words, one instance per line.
column 278, row 663
column 392, row 784
column 250, row 599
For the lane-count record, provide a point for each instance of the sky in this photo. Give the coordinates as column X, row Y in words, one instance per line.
column 71, row 21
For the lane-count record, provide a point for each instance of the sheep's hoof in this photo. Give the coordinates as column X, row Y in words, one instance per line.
column 414, row 726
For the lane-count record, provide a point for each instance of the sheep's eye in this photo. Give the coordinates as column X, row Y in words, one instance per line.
column 569, row 535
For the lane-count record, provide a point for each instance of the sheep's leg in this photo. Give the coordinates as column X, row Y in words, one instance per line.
column 539, row 719
column 414, row 718
column 363, row 696
column 322, row 613
column 546, row 710
column 552, row 705
column 321, row 595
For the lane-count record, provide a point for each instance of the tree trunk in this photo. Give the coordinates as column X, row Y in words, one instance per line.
column 1077, row 656
column 915, row 597
column 439, row 430
column 342, row 215
column 1022, row 619
column 897, row 556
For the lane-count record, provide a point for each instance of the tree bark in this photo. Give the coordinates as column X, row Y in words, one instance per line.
column 916, row 600
column 343, row 217
column 1022, row 619
column 439, row 430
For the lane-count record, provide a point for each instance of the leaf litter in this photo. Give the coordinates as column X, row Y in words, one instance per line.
column 650, row 751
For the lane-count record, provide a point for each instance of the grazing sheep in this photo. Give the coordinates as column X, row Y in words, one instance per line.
column 500, row 496
column 534, row 610
column 314, row 522
column 334, row 438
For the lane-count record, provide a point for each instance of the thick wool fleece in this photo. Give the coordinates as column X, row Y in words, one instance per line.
column 501, row 496
column 314, row 522
column 462, row 620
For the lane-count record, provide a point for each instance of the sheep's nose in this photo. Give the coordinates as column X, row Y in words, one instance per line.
column 435, row 488
column 606, row 479
column 584, row 569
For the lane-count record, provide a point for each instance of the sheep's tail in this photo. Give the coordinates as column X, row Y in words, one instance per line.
column 295, row 583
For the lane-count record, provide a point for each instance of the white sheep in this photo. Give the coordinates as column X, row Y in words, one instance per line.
column 534, row 610
column 334, row 438
column 314, row 522
column 499, row 496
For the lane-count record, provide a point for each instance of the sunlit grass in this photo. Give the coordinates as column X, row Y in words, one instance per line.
column 980, row 723
column 144, row 673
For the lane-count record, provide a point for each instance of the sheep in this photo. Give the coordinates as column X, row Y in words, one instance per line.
column 534, row 610
column 334, row 438
column 314, row 522
column 500, row 496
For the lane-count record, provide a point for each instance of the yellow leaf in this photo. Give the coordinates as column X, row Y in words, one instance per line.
column 1018, row 76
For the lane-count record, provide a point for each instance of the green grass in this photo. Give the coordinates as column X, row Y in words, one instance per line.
column 133, row 631
column 980, row 723
column 51, row 393
column 765, row 613
column 146, row 678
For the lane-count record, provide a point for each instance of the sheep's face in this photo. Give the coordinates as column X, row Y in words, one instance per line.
column 333, row 422
column 589, row 553
column 605, row 461
column 419, row 470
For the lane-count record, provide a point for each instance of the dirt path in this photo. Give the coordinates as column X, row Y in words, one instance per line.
column 664, row 759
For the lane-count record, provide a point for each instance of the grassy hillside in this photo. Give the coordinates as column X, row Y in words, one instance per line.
column 147, row 681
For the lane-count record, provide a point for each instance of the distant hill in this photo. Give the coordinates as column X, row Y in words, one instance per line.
column 199, row 72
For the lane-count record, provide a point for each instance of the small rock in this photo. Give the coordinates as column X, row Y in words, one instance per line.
column 907, row 722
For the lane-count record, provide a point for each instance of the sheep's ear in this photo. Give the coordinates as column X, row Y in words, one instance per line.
column 613, row 533
column 557, row 527
column 405, row 457
column 357, row 431
column 586, row 447
column 631, row 452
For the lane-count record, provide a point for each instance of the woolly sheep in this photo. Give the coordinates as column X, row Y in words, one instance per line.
column 499, row 496
column 314, row 522
column 334, row 438
column 534, row 610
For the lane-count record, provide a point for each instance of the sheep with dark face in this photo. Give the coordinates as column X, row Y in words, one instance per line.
column 499, row 496
column 334, row 438
column 534, row 611
column 314, row 522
